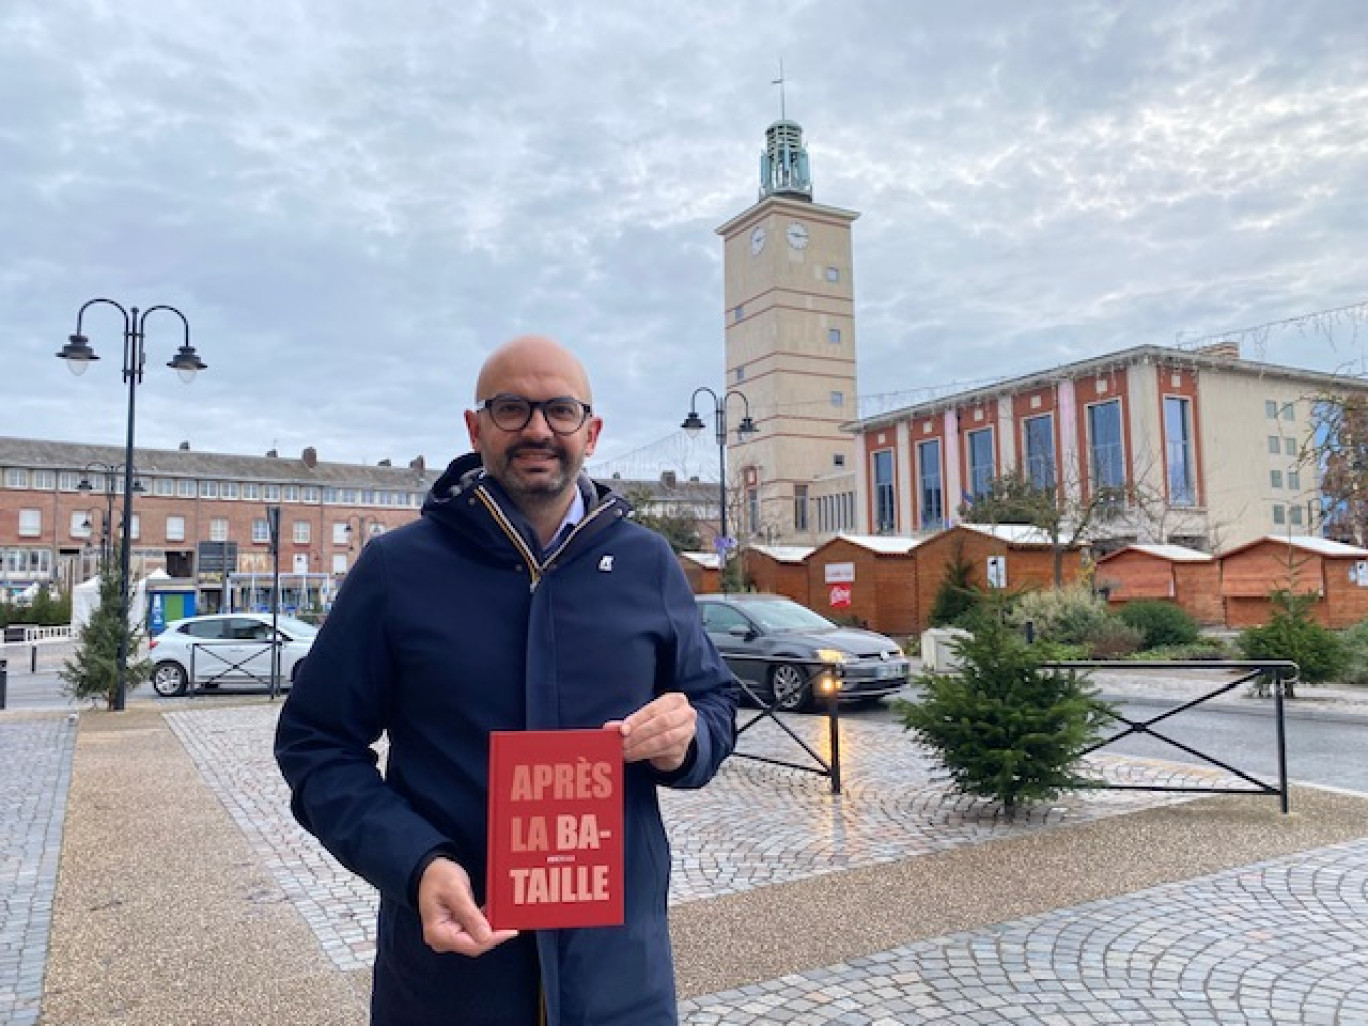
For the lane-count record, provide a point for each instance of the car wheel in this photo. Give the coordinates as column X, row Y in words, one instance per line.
column 789, row 686
column 169, row 680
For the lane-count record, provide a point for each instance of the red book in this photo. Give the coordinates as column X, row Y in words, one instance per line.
column 555, row 829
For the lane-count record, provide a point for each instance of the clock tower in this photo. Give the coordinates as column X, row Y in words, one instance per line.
column 790, row 350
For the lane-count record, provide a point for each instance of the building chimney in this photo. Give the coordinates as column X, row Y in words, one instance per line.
column 310, row 457
column 418, row 463
column 271, row 454
column 385, row 463
column 1226, row 348
column 185, row 447
column 668, row 479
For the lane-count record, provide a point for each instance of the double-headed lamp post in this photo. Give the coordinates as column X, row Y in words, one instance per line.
column 693, row 424
column 111, row 471
column 79, row 355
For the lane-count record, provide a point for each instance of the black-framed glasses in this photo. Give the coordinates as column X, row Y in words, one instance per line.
column 564, row 415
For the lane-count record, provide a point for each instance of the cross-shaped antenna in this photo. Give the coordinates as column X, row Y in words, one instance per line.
column 783, row 116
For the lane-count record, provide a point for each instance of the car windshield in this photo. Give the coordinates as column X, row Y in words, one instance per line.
column 297, row 628
column 785, row 616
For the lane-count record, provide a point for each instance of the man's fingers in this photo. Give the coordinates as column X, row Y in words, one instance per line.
column 451, row 919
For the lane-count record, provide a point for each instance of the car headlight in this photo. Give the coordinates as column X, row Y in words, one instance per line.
column 833, row 655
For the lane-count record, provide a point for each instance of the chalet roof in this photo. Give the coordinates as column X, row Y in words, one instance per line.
column 883, row 544
column 707, row 560
column 784, row 553
column 1012, row 534
column 1173, row 553
column 1306, row 543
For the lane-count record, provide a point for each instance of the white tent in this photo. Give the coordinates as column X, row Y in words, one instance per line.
column 85, row 599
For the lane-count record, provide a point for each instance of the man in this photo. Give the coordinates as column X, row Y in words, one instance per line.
column 523, row 598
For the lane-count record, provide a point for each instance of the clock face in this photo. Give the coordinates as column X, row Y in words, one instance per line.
column 757, row 240
column 797, row 235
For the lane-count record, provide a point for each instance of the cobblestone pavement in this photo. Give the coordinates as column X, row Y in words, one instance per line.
column 35, row 774
column 1284, row 941
column 755, row 825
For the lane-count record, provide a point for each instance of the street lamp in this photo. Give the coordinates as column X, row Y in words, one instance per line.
column 693, row 424
column 111, row 472
column 79, row 355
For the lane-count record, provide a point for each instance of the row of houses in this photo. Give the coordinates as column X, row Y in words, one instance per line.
column 889, row 584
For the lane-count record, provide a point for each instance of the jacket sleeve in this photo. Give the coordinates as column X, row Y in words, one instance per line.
column 333, row 716
column 698, row 670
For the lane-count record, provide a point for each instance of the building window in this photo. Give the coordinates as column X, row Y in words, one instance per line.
column 1279, row 513
column 1106, row 456
column 339, row 563
column 930, row 498
column 348, row 496
column 800, row 507
column 135, row 529
column 310, row 493
column 837, row 398
column 175, row 529
column 67, row 480
column 838, row 459
column 1289, row 447
column 752, row 510
column 1274, row 444
column 30, row 523
column 163, row 486
column 367, row 497
column 82, row 524
column 45, row 480
column 251, row 492
column 209, row 489
column 1037, row 438
column 301, row 532
column 291, row 493
column 1271, row 409
column 1182, row 477
column 16, row 477
column 218, row 529
column 229, row 490
column 980, row 452
column 1275, row 478
column 261, row 532
column 834, row 336
column 329, row 494
column 738, row 313
column 1294, row 516
column 1289, row 412
column 339, row 534
column 185, row 488
column 272, row 493
column 833, row 274
column 1294, row 480
column 885, row 519
column 739, row 375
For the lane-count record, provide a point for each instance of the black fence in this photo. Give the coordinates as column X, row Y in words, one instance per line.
column 1273, row 677
column 824, row 684
column 212, row 666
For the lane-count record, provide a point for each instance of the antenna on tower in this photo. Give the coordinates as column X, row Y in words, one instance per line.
column 783, row 115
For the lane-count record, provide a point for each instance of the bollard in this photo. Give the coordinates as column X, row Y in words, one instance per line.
column 1030, row 632
column 33, row 659
column 4, row 681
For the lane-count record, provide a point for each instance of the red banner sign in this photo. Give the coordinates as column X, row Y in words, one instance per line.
column 840, row 596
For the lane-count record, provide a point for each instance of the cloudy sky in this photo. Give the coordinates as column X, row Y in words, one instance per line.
column 352, row 202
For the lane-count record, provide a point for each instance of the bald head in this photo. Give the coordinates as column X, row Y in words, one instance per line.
column 533, row 366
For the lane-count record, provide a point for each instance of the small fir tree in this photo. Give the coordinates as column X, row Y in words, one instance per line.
column 1292, row 633
column 956, row 599
column 92, row 674
column 1003, row 726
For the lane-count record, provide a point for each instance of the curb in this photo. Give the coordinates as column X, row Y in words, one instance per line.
column 1291, row 710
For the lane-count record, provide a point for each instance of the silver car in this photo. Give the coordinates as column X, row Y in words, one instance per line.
column 784, row 652
column 232, row 649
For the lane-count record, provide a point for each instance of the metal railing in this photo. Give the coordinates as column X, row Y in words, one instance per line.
column 225, row 669
column 823, row 681
column 1276, row 675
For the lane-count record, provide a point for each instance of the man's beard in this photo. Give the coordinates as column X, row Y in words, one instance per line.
column 541, row 487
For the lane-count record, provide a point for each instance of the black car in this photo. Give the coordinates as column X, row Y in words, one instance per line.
column 781, row 650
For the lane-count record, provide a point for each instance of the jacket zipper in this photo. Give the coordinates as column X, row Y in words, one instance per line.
column 536, row 571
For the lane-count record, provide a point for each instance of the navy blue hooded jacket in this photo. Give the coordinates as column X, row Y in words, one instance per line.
column 456, row 625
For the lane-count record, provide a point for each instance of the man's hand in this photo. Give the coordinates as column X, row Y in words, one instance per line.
column 451, row 919
column 660, row 732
